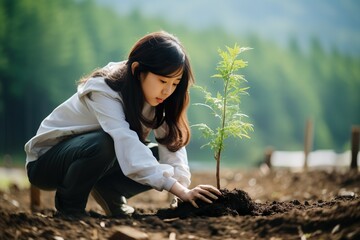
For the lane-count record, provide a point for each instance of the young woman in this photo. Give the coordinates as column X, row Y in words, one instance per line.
column 96, row 141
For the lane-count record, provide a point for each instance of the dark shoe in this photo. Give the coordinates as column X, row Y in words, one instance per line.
column 114, row 206
column 71, row 208
column 71, row 215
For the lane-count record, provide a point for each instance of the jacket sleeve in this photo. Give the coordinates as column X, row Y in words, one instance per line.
column 176, row 159
column 135, row 159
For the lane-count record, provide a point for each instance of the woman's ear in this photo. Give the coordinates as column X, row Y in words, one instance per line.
column 134, row 65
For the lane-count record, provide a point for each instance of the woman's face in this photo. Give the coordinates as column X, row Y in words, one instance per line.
column 157, row 88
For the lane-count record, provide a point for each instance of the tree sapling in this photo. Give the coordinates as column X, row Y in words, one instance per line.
column 226, row 105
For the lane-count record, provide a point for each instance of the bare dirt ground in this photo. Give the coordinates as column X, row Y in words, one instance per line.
column 318, row 204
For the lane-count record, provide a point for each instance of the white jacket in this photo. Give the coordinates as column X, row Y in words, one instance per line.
column 104, row 110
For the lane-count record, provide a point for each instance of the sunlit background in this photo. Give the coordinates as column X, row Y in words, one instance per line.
column 304, row 64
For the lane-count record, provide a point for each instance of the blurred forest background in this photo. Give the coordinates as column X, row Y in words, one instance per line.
column 305, row 63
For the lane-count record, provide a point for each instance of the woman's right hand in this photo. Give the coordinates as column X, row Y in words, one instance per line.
column 206, row 193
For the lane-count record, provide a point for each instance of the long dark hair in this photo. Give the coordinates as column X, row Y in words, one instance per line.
column 162, row 54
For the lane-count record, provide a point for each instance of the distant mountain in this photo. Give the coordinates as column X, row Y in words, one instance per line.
column 333, row 22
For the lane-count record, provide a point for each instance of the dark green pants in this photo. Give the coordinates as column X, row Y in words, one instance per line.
column 74, row 166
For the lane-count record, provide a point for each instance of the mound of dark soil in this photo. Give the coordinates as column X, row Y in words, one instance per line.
column 235, row 202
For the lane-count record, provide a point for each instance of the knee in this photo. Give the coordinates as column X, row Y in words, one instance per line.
column 32, row 176
column 37, row 179
column 104, row 141
column 101, row 145
column 30, row 173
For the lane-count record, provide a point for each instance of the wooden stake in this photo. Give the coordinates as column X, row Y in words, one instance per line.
column 34, row 198
column 267, row 160
column 308, row 141
column 355, row 133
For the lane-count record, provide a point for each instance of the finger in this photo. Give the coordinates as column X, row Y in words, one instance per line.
column 205, row 199
column 211, row 189
column 202, row 195
column 194, row 203
column 208, row 194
